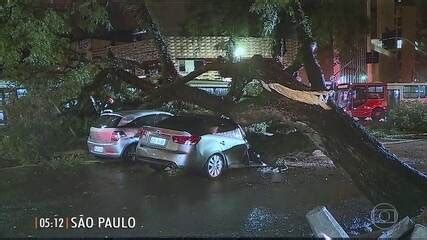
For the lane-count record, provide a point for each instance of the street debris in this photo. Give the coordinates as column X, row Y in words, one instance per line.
column 398, row 230
column 419, row 232
column 275, row 173
column 282, row 161
column 316, row 159
column 324, row 225
column 306, row 160
column 318, row 153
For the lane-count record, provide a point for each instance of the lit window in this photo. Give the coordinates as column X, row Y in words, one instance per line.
column 185, row 66
column 181, row 65
column 423, row 92
column 21, row 92
column 399, row 43
column 376, row 92
column 189, row 65
column 410, row 92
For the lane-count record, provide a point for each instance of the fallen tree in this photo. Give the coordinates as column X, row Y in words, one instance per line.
column 377, row 172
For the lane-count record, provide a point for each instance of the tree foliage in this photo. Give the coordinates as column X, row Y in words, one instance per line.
column 338, row 22
column 36, row 42
column 269, row 12
column 408, row 117
column 29, row 36
column 36, row 52
column 221, row 18
column 329, row 21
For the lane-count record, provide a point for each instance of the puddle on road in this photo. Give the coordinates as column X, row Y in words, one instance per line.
column 241, row 203
column 259, row 219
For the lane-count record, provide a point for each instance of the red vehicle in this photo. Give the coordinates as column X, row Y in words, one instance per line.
column 363, row 100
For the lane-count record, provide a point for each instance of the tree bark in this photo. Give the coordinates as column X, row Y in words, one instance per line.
column 311, row 66
column 169, row 71
column 379, row 174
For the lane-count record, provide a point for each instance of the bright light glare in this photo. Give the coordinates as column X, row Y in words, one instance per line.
column 399, row 43
column 239, row 52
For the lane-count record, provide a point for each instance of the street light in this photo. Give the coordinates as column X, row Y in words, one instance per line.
column 364, row 77
column 239, row 52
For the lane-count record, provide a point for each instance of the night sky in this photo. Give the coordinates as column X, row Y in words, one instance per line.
column 170, row 15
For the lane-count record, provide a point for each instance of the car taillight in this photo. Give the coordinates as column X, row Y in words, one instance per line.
column 116, row 135
column 187, row 140
column 141, row 132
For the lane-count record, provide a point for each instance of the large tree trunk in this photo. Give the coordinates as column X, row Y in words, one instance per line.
column 169, row 71
column 308, row 45
column 379, row 174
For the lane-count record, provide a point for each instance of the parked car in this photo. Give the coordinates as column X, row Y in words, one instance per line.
column 2, row 118
column 8, row 93
column 204, row 143
column 115, row 135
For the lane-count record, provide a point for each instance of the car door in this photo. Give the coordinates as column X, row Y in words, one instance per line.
column 232, row 142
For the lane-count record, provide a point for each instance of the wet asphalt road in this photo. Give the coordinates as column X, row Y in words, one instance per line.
column 242, row 203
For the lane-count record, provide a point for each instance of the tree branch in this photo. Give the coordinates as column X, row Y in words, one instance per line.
column 214, row 66
column 312, row 67
column 144, row 19
column 296, row 65
column 128, row 63
column 133, row 80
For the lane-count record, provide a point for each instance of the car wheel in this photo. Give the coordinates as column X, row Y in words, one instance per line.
column 129, row 155
column 214, row 166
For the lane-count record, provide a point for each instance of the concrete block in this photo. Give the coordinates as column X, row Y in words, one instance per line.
column 323, row 224
column 398, row 230
column 419, row 232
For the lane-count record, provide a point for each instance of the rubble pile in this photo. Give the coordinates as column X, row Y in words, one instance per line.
column 316, row 159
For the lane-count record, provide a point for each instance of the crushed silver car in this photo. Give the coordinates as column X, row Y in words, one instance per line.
column 205, row 143
column 115, row 135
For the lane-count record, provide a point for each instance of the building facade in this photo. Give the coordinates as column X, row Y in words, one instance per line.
column 393, row 35
column 187, row 53
column 388, row 53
